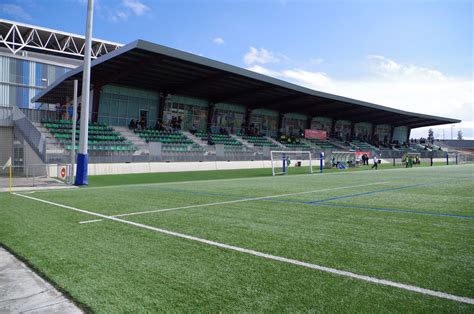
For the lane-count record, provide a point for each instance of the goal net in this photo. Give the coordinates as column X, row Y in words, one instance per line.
column 284, row 162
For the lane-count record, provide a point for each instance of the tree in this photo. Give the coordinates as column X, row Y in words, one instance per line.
column 460, row 135
column 430, row 136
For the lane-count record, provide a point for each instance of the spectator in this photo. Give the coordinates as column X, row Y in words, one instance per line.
column 193, row 130
column 132, row 124
column 209, row 140
column 57, row 107
column 63, row 111
column 70, row 111
column 174, row 122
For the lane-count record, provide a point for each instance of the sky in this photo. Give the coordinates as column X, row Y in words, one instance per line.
column 407, row 54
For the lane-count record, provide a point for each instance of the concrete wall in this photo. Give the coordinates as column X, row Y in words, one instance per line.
column 30, row 157
column 6, row 144
column 150, row 167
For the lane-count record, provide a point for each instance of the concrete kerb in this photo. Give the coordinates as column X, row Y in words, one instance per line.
column 23, row 290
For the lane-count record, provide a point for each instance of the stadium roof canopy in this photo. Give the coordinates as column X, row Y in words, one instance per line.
column 146, row 65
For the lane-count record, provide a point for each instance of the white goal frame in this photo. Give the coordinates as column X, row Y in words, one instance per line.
column 275, row 161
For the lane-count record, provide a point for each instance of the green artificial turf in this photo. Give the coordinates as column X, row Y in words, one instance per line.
column 142, row 178
column 414, row 226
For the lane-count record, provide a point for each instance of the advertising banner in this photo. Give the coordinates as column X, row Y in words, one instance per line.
column 319, row 134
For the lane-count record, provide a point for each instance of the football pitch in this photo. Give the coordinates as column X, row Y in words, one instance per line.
column 399, row 240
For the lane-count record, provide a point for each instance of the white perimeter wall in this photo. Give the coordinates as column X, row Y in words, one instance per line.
column 147, row 167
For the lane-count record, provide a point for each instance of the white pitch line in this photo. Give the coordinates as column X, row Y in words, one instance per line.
column 334, row 271
column 233, row 201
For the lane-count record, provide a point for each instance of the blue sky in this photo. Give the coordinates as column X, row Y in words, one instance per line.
column 412, row 55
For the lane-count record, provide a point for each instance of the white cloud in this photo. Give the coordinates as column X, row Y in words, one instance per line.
column 261, row 55
column 136, row 7
column 314, row 80
column 126, row 9
column 219, row 41
column 121, row 15
column 309, row 79
column 14, row 11
column 261, row 70
column 315, row 61
column 386, row 67
column 406, row 87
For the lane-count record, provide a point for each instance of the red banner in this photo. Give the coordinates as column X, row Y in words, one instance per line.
column 362, row 153
column 319, row 134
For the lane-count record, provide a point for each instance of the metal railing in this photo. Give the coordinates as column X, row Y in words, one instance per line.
column 35, row 115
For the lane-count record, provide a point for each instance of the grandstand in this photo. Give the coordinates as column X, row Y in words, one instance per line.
column 234, row 114
column 459, row 145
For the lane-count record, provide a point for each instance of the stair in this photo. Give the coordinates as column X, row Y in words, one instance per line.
column 275, row 142
column 200, row 142
column 241, row 140
column 138, row 143
column 53, row 147
column 311, row 144
column 341, row 145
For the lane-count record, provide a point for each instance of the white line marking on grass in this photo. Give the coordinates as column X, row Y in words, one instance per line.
column 344, row 273
column 234, row 201
column 90, row 221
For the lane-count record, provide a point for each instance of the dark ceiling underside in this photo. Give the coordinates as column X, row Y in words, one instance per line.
column 148, row 66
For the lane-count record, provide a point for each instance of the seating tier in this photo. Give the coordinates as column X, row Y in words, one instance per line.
column 101, row 137
column 259, row 141
column 227, row 140
column 172, row 141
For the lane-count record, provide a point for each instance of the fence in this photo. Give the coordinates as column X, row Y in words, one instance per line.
column 36, row 175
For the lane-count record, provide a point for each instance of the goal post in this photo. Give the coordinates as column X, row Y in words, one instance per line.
column 283, row 162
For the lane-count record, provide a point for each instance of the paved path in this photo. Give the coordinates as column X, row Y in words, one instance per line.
column 23, row 291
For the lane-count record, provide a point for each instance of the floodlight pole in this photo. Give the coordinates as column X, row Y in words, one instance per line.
column 82, row 158
column 74, row 126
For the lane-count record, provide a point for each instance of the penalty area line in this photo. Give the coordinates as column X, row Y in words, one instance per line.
column 234, row 201
column 325, row 269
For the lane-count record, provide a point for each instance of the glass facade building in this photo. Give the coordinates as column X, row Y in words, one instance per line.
column 21, row 80
column 118, row 105
column 192, row 111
